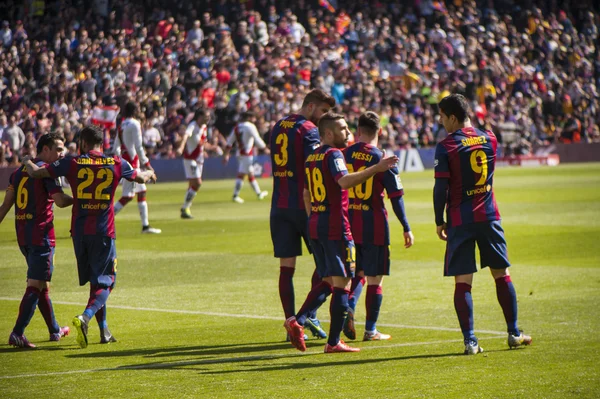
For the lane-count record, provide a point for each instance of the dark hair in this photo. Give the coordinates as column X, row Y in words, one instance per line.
column 130, row 108
column 327, row 121
column 200, row 112
column 48, row 140
column 369, row 122
column 318, row 96
column 92, row 135
column 457, row 105
column 247, row 115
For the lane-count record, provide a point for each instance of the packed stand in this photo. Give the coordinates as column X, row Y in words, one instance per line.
column 531, row 72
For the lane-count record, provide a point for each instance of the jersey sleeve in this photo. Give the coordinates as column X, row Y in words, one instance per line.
column 441, row 166
column 337, row 164
column 231, row 138
column 257, row 139
column 393, row 183
column 139, row 145
column 60, row 167
column 311, row 141
column 117, row 146
column 127, row 172
column 52, row 186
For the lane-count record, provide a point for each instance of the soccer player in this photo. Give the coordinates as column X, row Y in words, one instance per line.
column 326, row 201
column 464, row 178
column 192, row 148
column 245, row 136
column 292, row 139
column 94, row 178
column 129, row 146
column 369, row 224
column 33, row 200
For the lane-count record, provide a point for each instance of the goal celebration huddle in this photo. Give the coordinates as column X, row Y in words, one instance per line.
column 327, row 192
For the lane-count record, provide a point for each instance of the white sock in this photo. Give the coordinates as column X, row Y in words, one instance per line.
column 189, row 197
column 143, row 207
column 254, row 184
column 238, row 186
column 118, row 207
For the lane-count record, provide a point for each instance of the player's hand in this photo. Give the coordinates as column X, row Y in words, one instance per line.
column 409, row 239
column 225, row 159
column 267, row 151
column 153, row 178
column 148, row 167
column 387, row 163
column 26, row 159
column 442, row 232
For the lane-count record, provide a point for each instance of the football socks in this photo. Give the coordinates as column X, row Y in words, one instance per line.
column 507, row 297
column 337, row 310
column 47, row 310
column 463, row 303
column 26, row 309
column 286, row 290
column 373, row 304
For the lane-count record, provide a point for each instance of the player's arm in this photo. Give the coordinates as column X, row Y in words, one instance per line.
column 228, row 147
column 145, row 176
column 354, row 179
column 35, row 171
column 395, row 191
column 117, row 146
column 260, row 143
column 307, row 203
column 62, row 200
column 440, row 189
column 9, row 200
column 139, row 147
column 184, row 140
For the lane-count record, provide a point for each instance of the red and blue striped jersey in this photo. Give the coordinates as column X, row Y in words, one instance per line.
column 368, row 216
column 292, row 139
column 467, row 158
column 329, row 202
column 33, row 207
column 94, row 178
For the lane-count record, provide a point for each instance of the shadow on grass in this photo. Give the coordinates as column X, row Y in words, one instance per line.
column 200, row 350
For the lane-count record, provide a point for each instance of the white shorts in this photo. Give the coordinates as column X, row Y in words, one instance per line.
column 130, row 188
column 245, row 164
column 193, row 168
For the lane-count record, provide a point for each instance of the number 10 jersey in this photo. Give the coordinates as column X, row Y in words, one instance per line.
column 94, row 178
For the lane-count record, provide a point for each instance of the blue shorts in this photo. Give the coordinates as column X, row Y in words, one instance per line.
column 96, row 260
column 40, row 261
column 334, row 258
column 288, row 229
column 460, row 248
column 373, row 260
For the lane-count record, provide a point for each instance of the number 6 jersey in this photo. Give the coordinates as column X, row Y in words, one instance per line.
column 94, row 178
column 33, row 207
column 467, row 158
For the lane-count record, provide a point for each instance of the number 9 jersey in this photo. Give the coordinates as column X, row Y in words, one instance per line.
column 467, row 158
column 94, row 178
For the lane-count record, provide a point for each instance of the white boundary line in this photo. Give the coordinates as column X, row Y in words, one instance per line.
column 184, row 363
column 259, row 317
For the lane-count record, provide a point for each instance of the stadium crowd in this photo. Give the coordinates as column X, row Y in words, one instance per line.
column 530, row 68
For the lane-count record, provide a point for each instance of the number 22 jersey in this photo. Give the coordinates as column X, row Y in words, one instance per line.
column 467, row 158
column 94, row 178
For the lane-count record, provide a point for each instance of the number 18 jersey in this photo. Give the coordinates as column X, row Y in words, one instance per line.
column 94, row 179
column 293, row 138
column 467, row 158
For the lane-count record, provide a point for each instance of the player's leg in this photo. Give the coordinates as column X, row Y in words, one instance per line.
column 340, row 258
column 460, row 263
column 251, row 178
column 126, row 195
column 140, row 190
column 239, row 182
column 493, row 251
column 105, row 335
column 193, row 187
column 376, row 267
column 312, row 322
column 356, row 287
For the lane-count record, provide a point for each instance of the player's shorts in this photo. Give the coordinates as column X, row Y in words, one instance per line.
column 40, row 261
column 130, row 188
column 96, row 260
column 193, row 168
column 373, row 260
column 460, row 248
column 334, row 257
column 288, row 229
column 245, row 164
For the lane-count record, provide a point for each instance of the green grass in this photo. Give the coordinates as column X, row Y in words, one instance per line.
column 197, row 313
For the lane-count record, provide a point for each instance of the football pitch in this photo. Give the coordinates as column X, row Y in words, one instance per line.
column 196, row 309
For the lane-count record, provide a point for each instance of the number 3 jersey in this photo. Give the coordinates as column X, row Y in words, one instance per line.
column 293, row 138
column 329, row 202
column 34, row 219
column 467, row 158
column 368, row 216
column 94, row 178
